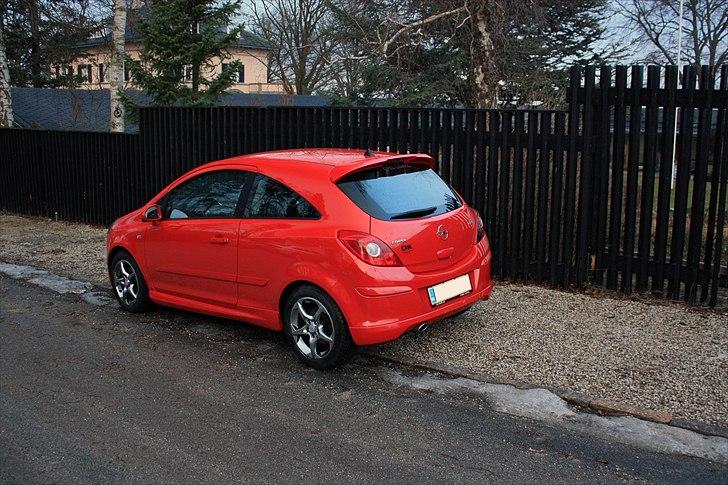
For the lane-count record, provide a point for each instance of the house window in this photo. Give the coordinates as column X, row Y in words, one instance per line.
column 239, row 77
column 102, row 73
column 187, row 73
column 84, row 73
column 127, row 74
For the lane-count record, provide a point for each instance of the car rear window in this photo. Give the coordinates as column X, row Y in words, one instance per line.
column 401, row 191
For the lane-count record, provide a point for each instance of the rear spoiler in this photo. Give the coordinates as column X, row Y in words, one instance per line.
column 341, row 171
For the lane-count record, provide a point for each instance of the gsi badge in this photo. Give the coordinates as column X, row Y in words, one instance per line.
column 442, row 232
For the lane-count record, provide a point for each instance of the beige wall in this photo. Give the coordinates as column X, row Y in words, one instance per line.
column 254, row 61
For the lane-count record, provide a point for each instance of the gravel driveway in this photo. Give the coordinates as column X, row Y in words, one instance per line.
column 657, row 355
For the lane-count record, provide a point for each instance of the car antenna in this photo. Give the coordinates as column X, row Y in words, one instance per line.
column 369, row 153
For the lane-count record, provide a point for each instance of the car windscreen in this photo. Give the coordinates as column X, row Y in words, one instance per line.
column 401, row 191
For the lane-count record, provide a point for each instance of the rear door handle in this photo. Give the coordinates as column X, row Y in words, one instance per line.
column 219, row 240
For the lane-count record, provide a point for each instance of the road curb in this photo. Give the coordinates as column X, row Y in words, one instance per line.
column 604, row 407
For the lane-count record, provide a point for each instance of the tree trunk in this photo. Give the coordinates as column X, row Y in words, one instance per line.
column 116, row 68
column 196, row 77
column 6, row 106
column 482, row 54
column 35, row 55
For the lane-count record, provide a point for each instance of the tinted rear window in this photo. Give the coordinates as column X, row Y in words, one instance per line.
column 395, row 192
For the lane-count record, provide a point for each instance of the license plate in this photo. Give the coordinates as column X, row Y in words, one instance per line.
column 449, row 290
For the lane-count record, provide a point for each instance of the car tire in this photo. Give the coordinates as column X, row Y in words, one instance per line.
column 128, row 284
column 310, row 315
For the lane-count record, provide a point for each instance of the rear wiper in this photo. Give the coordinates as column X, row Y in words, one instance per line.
column 414, row 213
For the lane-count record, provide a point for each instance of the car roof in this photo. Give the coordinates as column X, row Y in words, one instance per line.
column 323, row 156
column 338, row 162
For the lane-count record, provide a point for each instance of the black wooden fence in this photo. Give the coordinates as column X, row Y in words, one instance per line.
column 573, row 197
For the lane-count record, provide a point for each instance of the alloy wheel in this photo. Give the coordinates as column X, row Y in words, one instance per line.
column 312, row 328
column 126, row 282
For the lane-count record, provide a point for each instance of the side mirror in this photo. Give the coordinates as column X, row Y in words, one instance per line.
column 152, row 214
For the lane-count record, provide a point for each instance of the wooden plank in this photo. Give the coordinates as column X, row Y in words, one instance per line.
column 618, row 159
column 648, row 178
column 663, row 195
column 491, row 199
column 682, row 184
column 446, row 140
column 720, row 175
column 713, row 178
column 529, row 196
column 402, row 126
column 601, row 174
column 585, row 184
column 501, row 242
column 544, row 167
column 570, row 184
column 557, row 195
column 697, row 213
column 633, row 162
column 480, row 162
column 517, row 196
column 467, row 174
column 457, row 153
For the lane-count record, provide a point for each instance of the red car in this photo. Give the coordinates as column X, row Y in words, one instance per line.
column 337, row 248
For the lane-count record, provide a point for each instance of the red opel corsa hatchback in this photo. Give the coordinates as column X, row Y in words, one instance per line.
column 337, row 248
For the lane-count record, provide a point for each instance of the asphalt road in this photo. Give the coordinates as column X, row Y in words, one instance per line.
column 91, row 394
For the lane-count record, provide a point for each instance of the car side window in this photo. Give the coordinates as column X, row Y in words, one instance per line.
column 271, row 199
column 211, row 195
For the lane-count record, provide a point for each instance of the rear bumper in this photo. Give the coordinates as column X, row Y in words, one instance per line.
column 385, row 313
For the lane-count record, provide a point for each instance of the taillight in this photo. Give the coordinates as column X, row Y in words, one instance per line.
column 481, row 229
column 369, row 249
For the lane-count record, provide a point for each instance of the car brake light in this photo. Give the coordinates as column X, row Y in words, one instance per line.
column 481, row 229
column 369, row 249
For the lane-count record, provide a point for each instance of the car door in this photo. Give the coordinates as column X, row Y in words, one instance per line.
column 192, row 251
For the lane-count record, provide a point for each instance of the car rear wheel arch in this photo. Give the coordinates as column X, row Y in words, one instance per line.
column 290, row 288
column 294, row 285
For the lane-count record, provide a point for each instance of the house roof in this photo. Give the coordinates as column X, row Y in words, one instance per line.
column 88, row 109
column 247, row 40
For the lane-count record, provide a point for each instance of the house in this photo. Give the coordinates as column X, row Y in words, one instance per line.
column 89, row 67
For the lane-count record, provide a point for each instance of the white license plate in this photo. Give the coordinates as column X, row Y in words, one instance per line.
column 449, row 289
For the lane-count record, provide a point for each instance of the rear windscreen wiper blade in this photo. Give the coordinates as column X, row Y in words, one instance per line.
column 414, row 213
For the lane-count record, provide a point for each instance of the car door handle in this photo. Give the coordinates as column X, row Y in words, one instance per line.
column 219, row 240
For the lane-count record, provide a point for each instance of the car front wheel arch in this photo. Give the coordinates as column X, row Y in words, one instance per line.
column 112, row 254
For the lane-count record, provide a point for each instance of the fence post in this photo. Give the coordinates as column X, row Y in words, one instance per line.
column 585, row 181
column 571, row 162
column 720, row 177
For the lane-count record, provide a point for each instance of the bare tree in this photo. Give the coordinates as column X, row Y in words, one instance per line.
column 705, row 29
column 406, row 24
column 300, row 39
column 43, row 36
column 116, row 68
column 6, row 106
